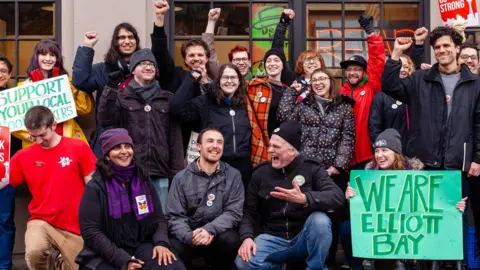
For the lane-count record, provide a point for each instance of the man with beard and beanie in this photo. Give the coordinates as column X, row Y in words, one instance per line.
column 289, row 194
column 444, row 103
column 205, row 206
column 142, row 107
column 362, row 83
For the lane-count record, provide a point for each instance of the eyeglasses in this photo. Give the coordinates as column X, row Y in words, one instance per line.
column 311, row 60
column 319, row 80
column 238, row 60
column 466, row 56
column 227, row 78
column 145, row 64
column 354, row 69
column 4, row 72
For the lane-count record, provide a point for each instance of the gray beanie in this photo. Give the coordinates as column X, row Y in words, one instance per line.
column 391, row 139
column 140, row 56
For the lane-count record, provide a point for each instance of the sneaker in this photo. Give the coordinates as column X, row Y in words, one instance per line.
column 399, row 265
column 368, row 264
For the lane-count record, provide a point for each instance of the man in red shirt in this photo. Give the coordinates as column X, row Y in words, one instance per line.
column 55, row 169
column 363, row 82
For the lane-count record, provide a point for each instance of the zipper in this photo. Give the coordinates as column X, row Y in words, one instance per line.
column 285, row 209
column 234, row 141
column 149, row 140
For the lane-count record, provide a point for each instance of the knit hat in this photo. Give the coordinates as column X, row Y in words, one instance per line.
column 290, row 131
column 139, row 56
column 113, row 137
column 389, row 138
column 277, row 52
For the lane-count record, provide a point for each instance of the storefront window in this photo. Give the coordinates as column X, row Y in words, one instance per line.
column 36, row 22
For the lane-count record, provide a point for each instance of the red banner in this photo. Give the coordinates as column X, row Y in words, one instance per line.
column 453, row 11
column 4, row 153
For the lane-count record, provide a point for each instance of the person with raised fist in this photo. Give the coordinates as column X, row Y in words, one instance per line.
column 362, row 83
column 91, row 77
column 444, row 105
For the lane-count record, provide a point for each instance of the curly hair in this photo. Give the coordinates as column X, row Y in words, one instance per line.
column 445, row 31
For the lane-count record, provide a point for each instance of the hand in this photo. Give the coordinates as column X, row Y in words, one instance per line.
column 462, row 204
column 164, row 254
column 402, row 44
column 297, row 86
column 214, row 14
column 115, row 78
column 332, row 171
column 90, row 39
column 474, row 170
column 349, row 193
column 201, row 237
column 425, row 66
column 196, row 74
column 366, row 22
column 294, row 195
column 244, row 250
column 161, row 8
column 135, row 265
column 290, row 13
column 421, row 35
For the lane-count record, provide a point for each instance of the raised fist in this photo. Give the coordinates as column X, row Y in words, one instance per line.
column 402, row 44
column 420, row 35
column 297, row 86
column 287, row 16
column 214, row 14
column 366, row 22
column 290, row 13
column 196, row 74
column 161, row 8
column 90, row 39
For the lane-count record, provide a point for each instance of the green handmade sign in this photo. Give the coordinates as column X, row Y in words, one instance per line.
column 406, row 215
column 54, row 93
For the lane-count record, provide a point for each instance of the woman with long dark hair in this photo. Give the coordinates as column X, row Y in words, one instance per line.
column 121, row 217
column 45, row 63
column 224, row 109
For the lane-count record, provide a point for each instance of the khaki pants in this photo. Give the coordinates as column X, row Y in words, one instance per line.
column 41, row 238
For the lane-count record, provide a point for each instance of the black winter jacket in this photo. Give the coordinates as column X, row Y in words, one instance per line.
column 434, row 138
column 205, row 111
column 281, row 218
column 155, row 134
column 115, row 240
column 329, row 137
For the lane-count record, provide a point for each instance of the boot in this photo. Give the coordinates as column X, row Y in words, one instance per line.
column 368, row 264
column 459, row 265
column 399, row 265
column 435, row 265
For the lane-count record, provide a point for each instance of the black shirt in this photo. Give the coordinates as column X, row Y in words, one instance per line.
column 273, row 123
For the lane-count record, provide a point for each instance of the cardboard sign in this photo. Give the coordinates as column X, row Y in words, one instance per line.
column 406, row 215
column 54, row 93
column 453, row 11
column 192, row 151
column 4, row 154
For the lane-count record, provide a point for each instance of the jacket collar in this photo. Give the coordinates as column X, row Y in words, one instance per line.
column 434, row 75
column 193, row 167
column 128, row 92
column 298, row 161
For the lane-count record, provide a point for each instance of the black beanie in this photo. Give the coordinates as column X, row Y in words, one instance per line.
column 290, row 131
column 140, row 56
column 391, row 139
column 277, row 52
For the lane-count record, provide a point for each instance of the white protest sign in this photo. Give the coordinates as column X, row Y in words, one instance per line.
column 54, row 93
column 192, row 151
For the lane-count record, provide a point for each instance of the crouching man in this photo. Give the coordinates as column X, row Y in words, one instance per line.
column 290, row 194
column 205, row 205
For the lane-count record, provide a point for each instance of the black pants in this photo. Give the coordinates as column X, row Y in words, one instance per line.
column 144, row 253
column 244, row 165
column 220, row 254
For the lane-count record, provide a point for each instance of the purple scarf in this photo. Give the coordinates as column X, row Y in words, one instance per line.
column 118, row 199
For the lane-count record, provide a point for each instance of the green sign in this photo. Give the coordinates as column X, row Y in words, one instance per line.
column 54, row 93
column 406, row 214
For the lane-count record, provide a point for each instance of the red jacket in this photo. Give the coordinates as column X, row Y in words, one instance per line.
column 363, row 95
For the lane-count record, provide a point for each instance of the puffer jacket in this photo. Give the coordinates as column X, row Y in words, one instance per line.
column 363, row 94
column 438, row 139
column 187, row 207
column 155, row 134
column 279, row 217
column 329, row 137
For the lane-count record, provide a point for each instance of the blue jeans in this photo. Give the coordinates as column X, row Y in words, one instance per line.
column 311, row 244
column 161, row 186
column 7, row 226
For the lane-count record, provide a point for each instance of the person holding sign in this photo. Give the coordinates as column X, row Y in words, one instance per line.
column 205, row 206
column 289, row 195
column 120, row 214
column 47, row 62
column 56, row 169
column 388, row 156
column 142, row 107
column 448, row 94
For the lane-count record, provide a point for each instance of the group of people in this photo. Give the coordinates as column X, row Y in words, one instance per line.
column 271, row 184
